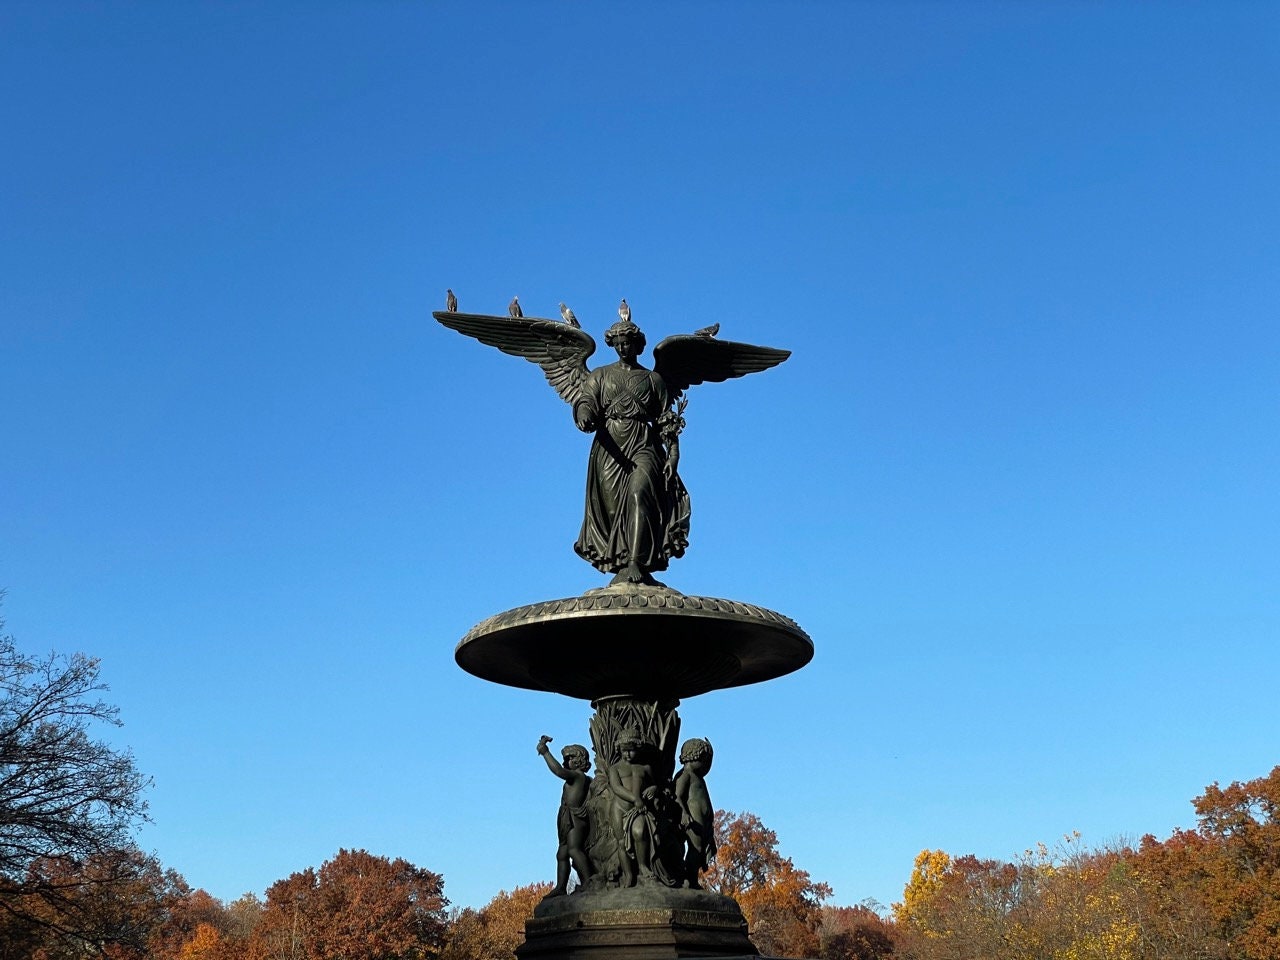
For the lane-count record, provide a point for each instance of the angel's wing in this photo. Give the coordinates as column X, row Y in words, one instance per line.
column 559, row 349
column 685, row 360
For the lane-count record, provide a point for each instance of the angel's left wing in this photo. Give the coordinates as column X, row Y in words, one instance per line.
column 684, row 360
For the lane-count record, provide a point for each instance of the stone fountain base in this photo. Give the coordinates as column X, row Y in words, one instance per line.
column 639, row 923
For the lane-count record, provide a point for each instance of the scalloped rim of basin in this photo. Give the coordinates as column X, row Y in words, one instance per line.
column 634, row 641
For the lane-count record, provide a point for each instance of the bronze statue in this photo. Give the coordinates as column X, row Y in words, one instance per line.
column 636, row 516
column 697, row 815
column 634, row 809
column 572, row 824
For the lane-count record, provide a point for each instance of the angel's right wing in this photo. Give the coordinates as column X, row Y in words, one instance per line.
column 559, row 349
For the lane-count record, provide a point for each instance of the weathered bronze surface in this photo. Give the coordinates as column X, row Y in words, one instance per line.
column 573, row 823
column 636, row 831
column 637, row 509
column 638, row 640
column 697, row 813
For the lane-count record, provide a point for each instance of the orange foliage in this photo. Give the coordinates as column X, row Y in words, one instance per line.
column 110, row 903
column 356, row 907
column 205, row 944
column 856, row 933
column 1208, row 894
column 780, row 901
column 495, row 930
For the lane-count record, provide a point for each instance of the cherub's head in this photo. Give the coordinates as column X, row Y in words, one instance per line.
column 630, row 741
column 625, row 337
column 697, row 750
column 576, row 757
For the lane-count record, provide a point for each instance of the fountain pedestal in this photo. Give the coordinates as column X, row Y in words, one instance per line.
column 634, row 652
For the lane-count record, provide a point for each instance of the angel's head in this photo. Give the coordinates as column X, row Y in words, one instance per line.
column 625, row 337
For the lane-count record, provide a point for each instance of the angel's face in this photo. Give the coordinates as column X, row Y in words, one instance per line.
column 629, row 346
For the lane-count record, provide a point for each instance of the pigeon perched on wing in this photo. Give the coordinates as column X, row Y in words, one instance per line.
column 450, row 302
column 569, row 318
column 710, row 331
column 624, row 312
column 513, row 308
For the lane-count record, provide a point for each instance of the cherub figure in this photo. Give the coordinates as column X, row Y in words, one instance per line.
column 634, row 792
column 572, row 825
column 697, row 815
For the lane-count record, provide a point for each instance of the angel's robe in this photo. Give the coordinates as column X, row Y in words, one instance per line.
column 633, row 513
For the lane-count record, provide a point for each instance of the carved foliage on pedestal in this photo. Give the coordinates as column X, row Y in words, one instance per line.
column 655, row 728
column 657, row 723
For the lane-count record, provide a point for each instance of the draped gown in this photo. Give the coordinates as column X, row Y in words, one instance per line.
column 633, row 513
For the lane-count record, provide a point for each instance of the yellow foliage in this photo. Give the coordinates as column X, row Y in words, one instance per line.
column 927, row 876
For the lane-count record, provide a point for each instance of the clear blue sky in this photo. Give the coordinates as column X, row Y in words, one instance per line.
column 1018, row 480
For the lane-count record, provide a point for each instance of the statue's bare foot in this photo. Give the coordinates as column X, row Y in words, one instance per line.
column 557, row 892
column 634, row 573
column 631, row 573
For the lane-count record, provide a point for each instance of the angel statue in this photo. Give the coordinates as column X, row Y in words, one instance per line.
column 637, row 509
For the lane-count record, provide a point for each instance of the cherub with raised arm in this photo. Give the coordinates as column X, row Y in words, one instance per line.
column 697, row 815
column 571, row 820
column 634, row 793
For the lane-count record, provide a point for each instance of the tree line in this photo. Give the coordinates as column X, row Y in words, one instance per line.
column 1212, row 893
column 73, row 885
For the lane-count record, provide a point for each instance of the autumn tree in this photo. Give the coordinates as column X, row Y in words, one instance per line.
column 1169, row 888
column 1079, row 903
column 198, row 926
column 205, row 943
column 1064, row 903
column 918, row 910
column 68, row 801
column 960, row 907
column 357, row 906
column 1214, row 892
column 1070, row 903
column 195, row 925
column 780, row 901
column 241, row 918
column 1241, row 828
column 855, row 933
column 19, row 940
column 109, row 904
column 495, row 930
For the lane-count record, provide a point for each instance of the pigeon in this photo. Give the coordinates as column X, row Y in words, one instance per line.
column 513, row 308
column 569, row 318
column 708, row 332
column 450, row 302
column 624, row 312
